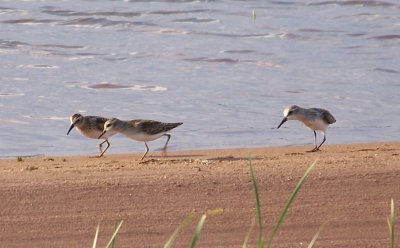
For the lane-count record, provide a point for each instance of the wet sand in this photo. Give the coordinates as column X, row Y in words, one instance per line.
column 58, row 201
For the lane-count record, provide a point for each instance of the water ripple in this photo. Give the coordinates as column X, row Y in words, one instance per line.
column 11, row 44
column 172, row 31
column 39, row 66
column 213, row 60
column 196, row 20
column 357, row 2
column 108, row 86
column 232, row 61
column 284, row 35
column 239, row 51
column 100, row 13
column 105, row 85
column 58, row 46
column 177, row 12
column 4, row 10
column 386, row 37
column 91, row 21
column 387, row 70
column 8, row 94
column 54, row 118
column 356, row 34
column 102, row 22
column 30, row 21
column 163, row 1
column 122, row 50
column 311, row 30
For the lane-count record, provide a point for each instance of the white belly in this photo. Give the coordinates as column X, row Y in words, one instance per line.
column 143, row 137
column 316, row 124
column 94, row 134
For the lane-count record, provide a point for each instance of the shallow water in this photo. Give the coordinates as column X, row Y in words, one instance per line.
column 209, row 64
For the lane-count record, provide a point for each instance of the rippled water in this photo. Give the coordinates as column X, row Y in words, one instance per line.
column 209, row 64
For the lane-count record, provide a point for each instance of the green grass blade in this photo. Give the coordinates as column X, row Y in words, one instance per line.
column 288, row 203
column 174, row 235
column 112, row 245
column 391, row 224
column 258, row 209
column 96, row 235
column 114, row 234
column 197, row 231
column 215, row 211
column 247, row 237
column 316, row 236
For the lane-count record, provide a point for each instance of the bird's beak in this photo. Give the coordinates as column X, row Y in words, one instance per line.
column 283, row 121
column 71, row 127
column 101, row 134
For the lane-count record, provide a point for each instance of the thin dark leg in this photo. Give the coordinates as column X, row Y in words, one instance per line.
column 166, row 143
column 322, row 142
column 315, row 142
column 164, row 153
column 101, row 146
column 147, row 150
column 108, row 145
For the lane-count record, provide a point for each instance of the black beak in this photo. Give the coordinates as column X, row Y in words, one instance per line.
column 71, row 127
column 102, row 134
column 283, row 121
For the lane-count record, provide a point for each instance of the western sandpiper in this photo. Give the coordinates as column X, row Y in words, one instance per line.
column 140, row 130
column 316, row 119
column 91, row 127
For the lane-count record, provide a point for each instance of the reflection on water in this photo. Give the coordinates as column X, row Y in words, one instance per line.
column 106, row 85
column 209, row 64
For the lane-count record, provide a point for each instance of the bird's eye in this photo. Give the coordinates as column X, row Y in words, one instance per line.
column 290, row 112
column 108, row 125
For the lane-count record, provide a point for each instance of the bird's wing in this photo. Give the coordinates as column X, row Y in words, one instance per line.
column 153, row 127
column 97, row 121
column 328, row 117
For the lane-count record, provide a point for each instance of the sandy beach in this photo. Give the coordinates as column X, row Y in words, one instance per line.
column 58, row 201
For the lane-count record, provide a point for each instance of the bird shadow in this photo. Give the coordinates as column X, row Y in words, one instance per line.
column 176, row 156
column 192, row 157
column 376, row 149
column 297, row 153
column 232, row 158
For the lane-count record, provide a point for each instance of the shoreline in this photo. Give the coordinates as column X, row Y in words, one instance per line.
column 57, row 201
column 156, row 153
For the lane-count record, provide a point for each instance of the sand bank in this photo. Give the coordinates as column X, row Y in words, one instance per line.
column 58, row 201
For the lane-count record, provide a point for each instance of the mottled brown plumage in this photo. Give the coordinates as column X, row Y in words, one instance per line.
column 327, row 116
column 90, row 127
column 140, row 130
column 153, row 127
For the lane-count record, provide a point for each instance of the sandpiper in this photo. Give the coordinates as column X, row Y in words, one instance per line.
column 316, row 119
column 91, row 127
column 140, row 130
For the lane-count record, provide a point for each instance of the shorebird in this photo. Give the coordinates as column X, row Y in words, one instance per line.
column 140, row 130
column 316, row 119
column 91, row 127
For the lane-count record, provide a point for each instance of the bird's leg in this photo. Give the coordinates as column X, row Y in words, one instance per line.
column 101, row 150
column 322, row 142
column 101, row 146
column 164, row 151
column 315, row 143
column 108, row 145
column 147, row 150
